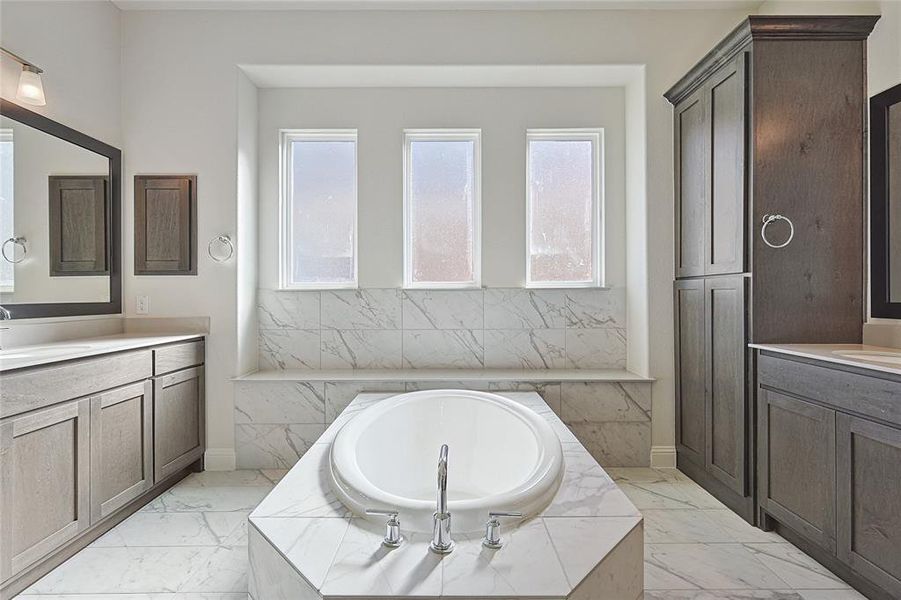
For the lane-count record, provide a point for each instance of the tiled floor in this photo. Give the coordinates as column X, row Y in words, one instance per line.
column 190, row 544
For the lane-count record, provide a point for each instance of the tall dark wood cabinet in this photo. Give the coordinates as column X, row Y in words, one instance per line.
column 770, row 122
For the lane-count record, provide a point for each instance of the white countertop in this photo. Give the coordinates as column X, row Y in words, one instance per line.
column 52, row 352
column 831, row 353
column 617, row 375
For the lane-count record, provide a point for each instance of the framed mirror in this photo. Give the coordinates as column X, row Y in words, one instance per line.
column 60, row 219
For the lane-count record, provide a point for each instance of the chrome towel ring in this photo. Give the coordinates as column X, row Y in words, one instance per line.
column 767, row 221
column 225, row 241
column 18, row 241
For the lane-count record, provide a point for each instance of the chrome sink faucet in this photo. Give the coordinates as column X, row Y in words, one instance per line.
column 441, row 520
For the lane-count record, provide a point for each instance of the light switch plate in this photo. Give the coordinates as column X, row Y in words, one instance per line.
column 142, row 305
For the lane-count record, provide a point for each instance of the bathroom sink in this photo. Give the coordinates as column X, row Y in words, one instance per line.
column 42, row 352
column 889, row 358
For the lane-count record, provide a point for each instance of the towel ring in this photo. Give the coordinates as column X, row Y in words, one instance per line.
column 225, row 241
column 18, row 241
column 767, row 221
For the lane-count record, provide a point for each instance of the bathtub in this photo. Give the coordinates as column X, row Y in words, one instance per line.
column 503, row 457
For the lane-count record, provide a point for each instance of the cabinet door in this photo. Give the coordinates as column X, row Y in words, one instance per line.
column 178, row 410
column 692, row 156
column 725, row 240
column 165, row 225
column 121, row 447
column 797, row 465
column 44, row 466
column 726, row 352
column 690, row 370
column 869, row 500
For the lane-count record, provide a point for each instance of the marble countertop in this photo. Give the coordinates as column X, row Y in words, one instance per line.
column 52, row 352
column 617, row 375
column 832, row 353
column 587, row 544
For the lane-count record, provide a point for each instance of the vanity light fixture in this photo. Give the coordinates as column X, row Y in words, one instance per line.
column 31, row 89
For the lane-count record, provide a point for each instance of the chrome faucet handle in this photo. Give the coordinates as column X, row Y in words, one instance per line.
column 393, row 538
column 492, row 537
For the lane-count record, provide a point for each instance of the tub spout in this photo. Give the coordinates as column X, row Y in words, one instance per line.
column 441, row 520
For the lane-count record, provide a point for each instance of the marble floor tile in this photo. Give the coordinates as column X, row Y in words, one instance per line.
column 274, row 475
column 706, row 566
column 846, row 594
column 178, row 529
column 241, row 477
column 202, row 499
column 794, row 567
column 223, row 570
column 682, row 526
column 740, row 530
column 722, row 595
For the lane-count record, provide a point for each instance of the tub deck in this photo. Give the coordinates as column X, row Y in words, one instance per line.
column 587, row 544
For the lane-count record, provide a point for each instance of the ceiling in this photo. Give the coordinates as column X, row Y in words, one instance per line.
column 744, row 5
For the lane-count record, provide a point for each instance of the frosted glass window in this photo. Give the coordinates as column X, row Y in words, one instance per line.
column 7, row 206
column 441, row 206
column 319, row 230
column 564, row 208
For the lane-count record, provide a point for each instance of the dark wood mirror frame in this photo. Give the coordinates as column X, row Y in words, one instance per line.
column 880, row 223
column 68, row 309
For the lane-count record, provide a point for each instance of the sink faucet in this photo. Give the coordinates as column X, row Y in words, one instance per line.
column 441, row 520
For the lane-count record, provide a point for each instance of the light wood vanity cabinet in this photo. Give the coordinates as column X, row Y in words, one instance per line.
column 45, row 469
column 86, row 442
column 121, row 447
column 829, row 466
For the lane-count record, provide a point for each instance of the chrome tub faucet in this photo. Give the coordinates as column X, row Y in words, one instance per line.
column 441, row 520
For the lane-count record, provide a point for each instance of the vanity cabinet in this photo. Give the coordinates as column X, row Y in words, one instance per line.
column 868, row 473
column 749, row 142
column 87, row 441
column 45, row 469
column 178, row 420
column 829, row 444
column 121, row 447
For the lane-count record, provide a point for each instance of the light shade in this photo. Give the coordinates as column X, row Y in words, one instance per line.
column 31, row 90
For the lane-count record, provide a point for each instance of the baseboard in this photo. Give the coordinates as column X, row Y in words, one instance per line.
column 663, row 457
column 219, row 459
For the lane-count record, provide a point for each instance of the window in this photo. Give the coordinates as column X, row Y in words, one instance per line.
column 442, row 208
column 7, row 207
column 318, row 209
column 563, row 208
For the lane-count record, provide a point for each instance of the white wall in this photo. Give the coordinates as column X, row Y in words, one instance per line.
column 180, row 107
column 503, row 115
column 78, row 46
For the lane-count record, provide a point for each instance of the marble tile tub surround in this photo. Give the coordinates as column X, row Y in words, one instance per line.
column 277, row 422
column 390, row 328
column 586, row 544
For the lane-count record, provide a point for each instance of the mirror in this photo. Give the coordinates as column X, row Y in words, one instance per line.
column 59, row 215
column 885, row 203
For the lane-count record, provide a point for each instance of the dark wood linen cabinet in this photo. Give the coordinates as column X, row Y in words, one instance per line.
column 770, row 122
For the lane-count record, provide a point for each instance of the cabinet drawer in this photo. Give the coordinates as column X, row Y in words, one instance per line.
column 177, row 356
column 30, row 389
column 848, row 391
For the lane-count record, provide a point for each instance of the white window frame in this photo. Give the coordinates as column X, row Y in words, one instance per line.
column 6, row 136
column 596, row 137
column 286, row 195
column 420, row 135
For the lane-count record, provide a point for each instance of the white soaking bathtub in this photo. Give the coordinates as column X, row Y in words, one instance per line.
column 503, row 457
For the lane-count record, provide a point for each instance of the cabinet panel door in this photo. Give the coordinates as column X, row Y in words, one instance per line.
column 178, row 410
column 690, row 370
column 725, row 240
column 869, row 500
column 692, row 155
column 797, row 465
column 726, row 351
column 121, row 447
column 44, row 466
column 165, row 225
column 78, row 225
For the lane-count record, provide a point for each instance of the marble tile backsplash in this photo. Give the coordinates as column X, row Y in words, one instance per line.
column 377, row 328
